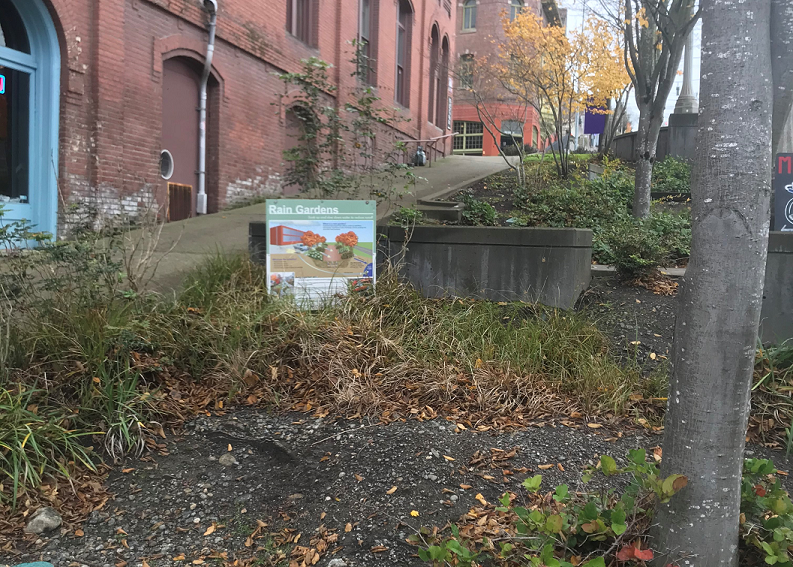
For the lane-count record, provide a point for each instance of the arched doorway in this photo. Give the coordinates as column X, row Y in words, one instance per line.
column 29, row 102
column 181, row 79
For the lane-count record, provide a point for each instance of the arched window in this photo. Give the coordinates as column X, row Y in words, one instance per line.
column 515, row 7
column 302, row 20
column 469, row 15
column 404, row 32
column 435, row 44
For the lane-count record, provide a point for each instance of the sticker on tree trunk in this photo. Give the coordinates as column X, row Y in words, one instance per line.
column 317, row 250
column 783, row 192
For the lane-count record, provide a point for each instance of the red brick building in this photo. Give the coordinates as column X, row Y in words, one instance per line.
column 479, row 32
column 94, row 91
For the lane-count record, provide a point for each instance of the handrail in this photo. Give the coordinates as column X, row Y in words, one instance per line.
column 431, row 145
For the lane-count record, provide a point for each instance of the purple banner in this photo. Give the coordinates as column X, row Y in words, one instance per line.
column 594, row 122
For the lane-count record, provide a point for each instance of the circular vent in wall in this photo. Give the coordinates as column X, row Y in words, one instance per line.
column 166, row 164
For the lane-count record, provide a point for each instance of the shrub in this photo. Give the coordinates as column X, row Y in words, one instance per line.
column 766, row 512
column 634, row 251
column 406, row 216
column 638, row 248
column 672, row 175
column 561, row 527
column 477, row 212
column 512, row 150
column 586, row 204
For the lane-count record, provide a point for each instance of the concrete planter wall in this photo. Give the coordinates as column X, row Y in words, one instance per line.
column 548, row 265
column 776, row 319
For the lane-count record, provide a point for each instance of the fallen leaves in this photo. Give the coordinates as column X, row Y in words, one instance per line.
column 414, row 513
column 378, row 549
column 594, row 425
column 210, row 530
column 481, row 499
column 348, row 528
column 391, row 490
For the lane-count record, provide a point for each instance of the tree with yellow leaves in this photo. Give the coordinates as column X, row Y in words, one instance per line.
column 559, row 74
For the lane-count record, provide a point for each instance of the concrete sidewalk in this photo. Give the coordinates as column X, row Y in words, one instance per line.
column 227, row 231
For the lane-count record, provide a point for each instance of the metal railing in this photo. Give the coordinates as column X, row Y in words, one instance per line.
column 430, row 148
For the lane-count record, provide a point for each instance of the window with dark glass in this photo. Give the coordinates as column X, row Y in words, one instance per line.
column 301, row 20
column 467, row 70
column 469, row 138
column 469, row 15
column 14, row 111
column 404, row 24
column 367, row 41
column 434, row 55
column 442, row 79
column 515, row 7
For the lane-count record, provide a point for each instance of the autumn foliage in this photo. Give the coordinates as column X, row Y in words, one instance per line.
column 347, row 238
column 560, row 73
column 310, row 238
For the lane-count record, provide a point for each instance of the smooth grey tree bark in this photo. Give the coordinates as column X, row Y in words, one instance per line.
column 719, row 305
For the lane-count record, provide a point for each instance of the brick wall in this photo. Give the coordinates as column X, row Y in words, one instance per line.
column 482, row 43
column 111, row 103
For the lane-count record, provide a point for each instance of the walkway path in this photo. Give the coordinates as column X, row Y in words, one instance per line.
column 227, row 231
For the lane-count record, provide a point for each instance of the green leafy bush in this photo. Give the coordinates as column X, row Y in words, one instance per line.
column 631, row 249
column 587, row 204
column 672, row 175
column 406, row 216
column 639, row 248
column 478, row 212
column 766, row 512
column 557, row 529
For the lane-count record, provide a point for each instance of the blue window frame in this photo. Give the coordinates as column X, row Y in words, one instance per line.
column 30, row 63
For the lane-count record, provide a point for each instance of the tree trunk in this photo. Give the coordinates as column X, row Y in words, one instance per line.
column 719, row 313
column 650, row 121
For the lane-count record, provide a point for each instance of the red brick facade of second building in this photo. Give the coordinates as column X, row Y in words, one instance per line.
column 129, row 74
column 479, row 31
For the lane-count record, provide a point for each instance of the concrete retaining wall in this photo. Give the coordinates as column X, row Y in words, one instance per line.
column 679, row 139
column 548, row 265
column 776, row 319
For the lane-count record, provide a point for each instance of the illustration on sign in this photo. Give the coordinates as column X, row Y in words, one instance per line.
column 783, row 192
column 317, row 249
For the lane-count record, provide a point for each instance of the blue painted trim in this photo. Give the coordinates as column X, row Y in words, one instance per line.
column 44, row 66
column 23, row 61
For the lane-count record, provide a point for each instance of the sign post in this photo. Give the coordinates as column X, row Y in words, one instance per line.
column 783, row 192
column 319, row 249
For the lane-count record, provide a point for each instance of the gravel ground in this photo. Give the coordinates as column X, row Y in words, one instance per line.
column 292, row 469
column 638, row 322
column 304, row 474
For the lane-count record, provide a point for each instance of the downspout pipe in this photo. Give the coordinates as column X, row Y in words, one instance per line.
column 210, row 6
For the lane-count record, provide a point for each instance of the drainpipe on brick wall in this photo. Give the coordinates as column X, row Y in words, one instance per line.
column 210, row 6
